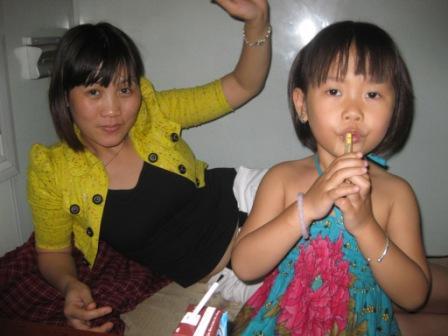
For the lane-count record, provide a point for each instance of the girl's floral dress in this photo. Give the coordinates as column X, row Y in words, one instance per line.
column 324, row 286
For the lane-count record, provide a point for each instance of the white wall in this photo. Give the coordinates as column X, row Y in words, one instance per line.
column 29, row 105
column 190, row 42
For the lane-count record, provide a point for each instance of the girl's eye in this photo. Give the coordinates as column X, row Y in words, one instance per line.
column 333, row 92
column 373, row 95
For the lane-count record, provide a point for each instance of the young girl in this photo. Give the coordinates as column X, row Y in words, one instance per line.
column 338, row 235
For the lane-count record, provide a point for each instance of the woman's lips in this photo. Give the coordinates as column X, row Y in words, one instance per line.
column 110, row 129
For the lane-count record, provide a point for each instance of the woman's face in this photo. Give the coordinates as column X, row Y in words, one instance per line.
column 355, row 104
column 105, row 115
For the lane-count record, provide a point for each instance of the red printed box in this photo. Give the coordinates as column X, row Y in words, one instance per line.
column 210, row 321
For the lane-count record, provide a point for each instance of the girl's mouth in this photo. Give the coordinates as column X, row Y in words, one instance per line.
column 354, row 135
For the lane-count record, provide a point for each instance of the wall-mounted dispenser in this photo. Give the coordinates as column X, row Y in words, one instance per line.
column 36, row 56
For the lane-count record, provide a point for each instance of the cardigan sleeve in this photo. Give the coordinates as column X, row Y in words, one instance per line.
column 194, row 106
column 52, row 225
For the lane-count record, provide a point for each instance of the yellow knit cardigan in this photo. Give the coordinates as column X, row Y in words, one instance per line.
column 67, row 189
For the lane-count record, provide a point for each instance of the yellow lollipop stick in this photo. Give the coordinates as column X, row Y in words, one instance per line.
column 348, row 143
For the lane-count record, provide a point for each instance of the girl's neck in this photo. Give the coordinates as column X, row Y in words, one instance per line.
column 324, row 159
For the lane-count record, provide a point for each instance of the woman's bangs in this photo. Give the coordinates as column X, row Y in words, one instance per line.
column 101, row 66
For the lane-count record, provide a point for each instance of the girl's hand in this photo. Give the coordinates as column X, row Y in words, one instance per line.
column 80, row 309
column 357, row 207
column 246, row 10
column 332, row 186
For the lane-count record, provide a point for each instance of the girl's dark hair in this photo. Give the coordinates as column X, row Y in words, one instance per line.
column 88, row 54
column 376, row 53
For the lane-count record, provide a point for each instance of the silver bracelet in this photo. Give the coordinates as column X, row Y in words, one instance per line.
column 303, row 227
column 383, row 254
column 259, row 42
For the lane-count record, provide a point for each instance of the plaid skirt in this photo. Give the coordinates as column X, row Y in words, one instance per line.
column 114, row 281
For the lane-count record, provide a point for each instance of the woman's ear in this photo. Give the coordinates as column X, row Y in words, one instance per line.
column 298, row 97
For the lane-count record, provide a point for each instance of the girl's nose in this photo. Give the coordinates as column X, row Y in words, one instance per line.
column 353, row 112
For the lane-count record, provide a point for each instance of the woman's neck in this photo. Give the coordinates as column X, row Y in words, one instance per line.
column 108, row 154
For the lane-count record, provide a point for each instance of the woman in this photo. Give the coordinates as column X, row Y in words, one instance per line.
column 122, row 173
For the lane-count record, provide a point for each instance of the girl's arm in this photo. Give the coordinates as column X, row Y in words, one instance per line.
column 58, row 268
column 272, row 227
column 249, row 75
column 269, row 232
column 403, row 272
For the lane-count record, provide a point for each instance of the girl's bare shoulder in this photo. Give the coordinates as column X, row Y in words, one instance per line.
column 387, row 183
column 291, row 170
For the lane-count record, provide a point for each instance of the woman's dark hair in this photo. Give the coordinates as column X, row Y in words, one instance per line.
column 376, row 55
column 88, row 54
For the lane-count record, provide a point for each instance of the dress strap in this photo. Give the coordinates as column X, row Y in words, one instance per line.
column 317, row 164
column 379, row 160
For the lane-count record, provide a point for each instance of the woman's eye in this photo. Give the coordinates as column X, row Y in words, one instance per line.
column 125, row 90
column 93, row 92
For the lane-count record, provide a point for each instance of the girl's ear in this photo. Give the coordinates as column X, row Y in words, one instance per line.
column 298, row 97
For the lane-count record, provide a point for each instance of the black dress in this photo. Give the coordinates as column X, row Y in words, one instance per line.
column 170, row 225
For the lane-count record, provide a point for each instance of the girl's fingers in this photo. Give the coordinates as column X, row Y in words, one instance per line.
column 344, row 167
column 338, row 177
column 343, row 190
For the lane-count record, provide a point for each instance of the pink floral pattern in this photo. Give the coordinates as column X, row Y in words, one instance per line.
column 317, row 299
column 257, row 300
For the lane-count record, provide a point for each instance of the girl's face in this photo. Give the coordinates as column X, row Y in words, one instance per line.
column 105, row 115
column 355, row 104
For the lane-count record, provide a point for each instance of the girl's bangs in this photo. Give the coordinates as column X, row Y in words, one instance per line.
column 374, row 62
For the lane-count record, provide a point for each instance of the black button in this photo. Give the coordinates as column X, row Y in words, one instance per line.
column 182, row 169
column 85, row 262
column 153, row 157
column 89, row 232
column 174, row 137
column 197, row 182
column 97, row 199
column 74, row 209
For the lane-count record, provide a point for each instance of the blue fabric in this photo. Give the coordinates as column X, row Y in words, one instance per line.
column 377, row 159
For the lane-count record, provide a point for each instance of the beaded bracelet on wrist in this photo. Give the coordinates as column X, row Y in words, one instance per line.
column 259, row 42
column 303, row 227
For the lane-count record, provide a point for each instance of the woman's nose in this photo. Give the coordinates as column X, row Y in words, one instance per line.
column 111, row 107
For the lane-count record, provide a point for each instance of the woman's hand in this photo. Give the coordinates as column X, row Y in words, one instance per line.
column 80, row 309
column 250, row 11
column 332, row 185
